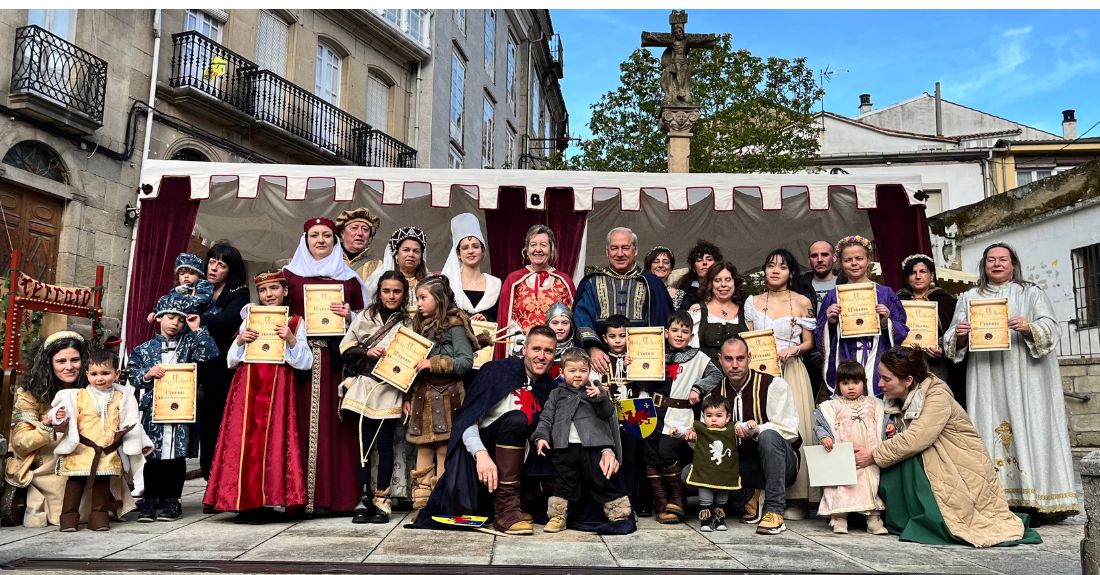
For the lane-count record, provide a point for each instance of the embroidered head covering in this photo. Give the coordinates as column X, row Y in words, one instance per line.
column 398, row 236
column 270, row 277
column 346, row 217
column 407, row 233
column 466, row 226
column 189, row 262
column 331, row 266
column 173, row 302
column 322, row 221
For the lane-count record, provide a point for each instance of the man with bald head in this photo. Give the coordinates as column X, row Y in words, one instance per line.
column 620, row 288
column 822, row 277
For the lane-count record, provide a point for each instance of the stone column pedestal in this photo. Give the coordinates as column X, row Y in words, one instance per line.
column 678, row 122
column 1090, row 545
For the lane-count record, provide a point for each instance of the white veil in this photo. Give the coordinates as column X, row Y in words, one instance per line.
column 466, row 226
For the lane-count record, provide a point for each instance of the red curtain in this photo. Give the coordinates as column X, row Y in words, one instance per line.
column 164, row 230
column 900, row 229
column 507, row 225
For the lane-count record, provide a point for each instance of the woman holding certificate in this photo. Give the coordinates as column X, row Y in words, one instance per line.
column 720, row 311
column 258, row 463
column 1007, row 327
column 476, row 292
column 790, row 316
column 919, row 272
column 860, row 320
column 527, row 293
column 324, row 290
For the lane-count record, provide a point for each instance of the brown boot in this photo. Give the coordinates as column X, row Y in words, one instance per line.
column 556, row 510
column 660, row 496
column 508, row 517
column 675, row 486
column 70, row 504
column 422, row 487
column 617, row 509
column 100, row 519
column 382, row 507
column 69, row 521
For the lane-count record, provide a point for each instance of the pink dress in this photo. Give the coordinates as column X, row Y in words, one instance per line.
column 859, row 422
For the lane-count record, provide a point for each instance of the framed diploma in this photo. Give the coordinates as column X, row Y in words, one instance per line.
column 174, row 395
column 269, row 347
column 858, row 317
column 485, row 354
column 989, row 324
column 923, row 320
column 765, row 355
column 646, row 348
column 398, row 366
column 320, row 319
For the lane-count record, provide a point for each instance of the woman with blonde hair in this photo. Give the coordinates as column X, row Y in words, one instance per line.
column 527, row 293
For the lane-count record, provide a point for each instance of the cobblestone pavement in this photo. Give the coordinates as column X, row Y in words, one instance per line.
column 807, row 546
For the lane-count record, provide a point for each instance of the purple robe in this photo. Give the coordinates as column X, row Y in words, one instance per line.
column 865, row 350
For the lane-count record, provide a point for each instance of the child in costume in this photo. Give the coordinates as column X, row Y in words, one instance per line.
column 180, row 339
column 560, row 319
column 101, row 421
column 622, row 390
column 854, row 417
column 375, row 404
column 714, row 466
column 576, row 425
column 437, row 392
column 191, row 284
column 689, row 375
column 258, row 462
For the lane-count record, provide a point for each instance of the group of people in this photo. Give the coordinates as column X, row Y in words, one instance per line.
column 546, row 432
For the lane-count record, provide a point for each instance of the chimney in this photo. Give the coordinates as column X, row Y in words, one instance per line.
column 939, row 111
column 1069, row 125
column 864, row 103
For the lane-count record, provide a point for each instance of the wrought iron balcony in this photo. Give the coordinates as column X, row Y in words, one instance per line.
column 53, row 78
column 201, row 63
column 557, row 56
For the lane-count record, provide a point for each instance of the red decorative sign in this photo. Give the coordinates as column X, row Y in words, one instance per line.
column 31, row 289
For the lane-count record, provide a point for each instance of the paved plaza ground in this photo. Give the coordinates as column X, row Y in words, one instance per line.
column 806, row 546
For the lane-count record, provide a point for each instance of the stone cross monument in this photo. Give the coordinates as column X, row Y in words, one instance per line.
column 678, row 114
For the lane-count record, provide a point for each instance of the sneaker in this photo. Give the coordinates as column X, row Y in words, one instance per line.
column 171, row 510
column 875, row 526
column 706, row 520
column 754, row 508
column 719, row 519
column 147, row 510
column 771, row 524
column 840, row 524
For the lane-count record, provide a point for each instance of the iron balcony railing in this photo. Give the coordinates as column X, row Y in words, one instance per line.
column 557, row 55
column 53, row 68
column 201, row 63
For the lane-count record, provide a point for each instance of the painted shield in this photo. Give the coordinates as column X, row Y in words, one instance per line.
column 637, row 416
column 461, row 520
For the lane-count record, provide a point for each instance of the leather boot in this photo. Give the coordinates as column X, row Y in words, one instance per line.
column 508, row 516
column 70, row 505
column 363, row 510
column 69, row 521
column 422, row 486
column 556, row 510
column 381, row 505
column 675, row 486
column 660, row 496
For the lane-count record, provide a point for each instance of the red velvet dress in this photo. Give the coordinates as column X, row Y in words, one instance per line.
column 330, row 447
column 526, row 296
column 258, row 461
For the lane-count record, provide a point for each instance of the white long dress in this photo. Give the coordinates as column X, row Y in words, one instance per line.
column 1015, row 400
column 787, row 335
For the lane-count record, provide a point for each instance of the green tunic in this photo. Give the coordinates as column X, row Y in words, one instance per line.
column 715, row 464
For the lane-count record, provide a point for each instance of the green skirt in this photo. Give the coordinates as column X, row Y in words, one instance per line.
column 912, row 512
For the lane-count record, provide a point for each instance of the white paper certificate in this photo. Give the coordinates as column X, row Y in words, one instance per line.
column 827, row 468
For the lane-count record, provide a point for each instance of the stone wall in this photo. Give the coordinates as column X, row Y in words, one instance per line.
column 1081, row 376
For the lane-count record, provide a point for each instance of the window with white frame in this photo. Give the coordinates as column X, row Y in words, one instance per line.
column 458, row 81
column 204, row 23
column 1025, row 177
column 510, row 153
column 326, row 128
column 393, row 15
column 378, row 102
column 488, row 133
column 272, row 39
column 510, row 75
column 491, row 44
column 58, row 22
column 460, row 19
column 536, row 104
column 1086, row 285
column 454, row 159
column 415, row 25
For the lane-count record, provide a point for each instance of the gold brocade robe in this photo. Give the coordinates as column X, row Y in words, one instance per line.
column 102, row 433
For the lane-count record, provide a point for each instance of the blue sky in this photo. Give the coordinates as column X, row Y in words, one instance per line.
column 1026, row 66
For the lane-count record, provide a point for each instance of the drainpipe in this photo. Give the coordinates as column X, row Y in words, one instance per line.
column 416, row 116
column 144, row 156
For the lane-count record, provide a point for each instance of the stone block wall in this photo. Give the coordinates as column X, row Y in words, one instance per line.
column 1081, row 376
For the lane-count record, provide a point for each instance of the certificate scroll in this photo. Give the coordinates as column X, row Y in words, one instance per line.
column 923, row 320
column 989, row 325
column 646, row 348
column 765, row 355
column 858, row 317
column 174, row 395
column 484, row 355
column 826, row 468
column 398, row 366
column 269, row 347
column 320, row 319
